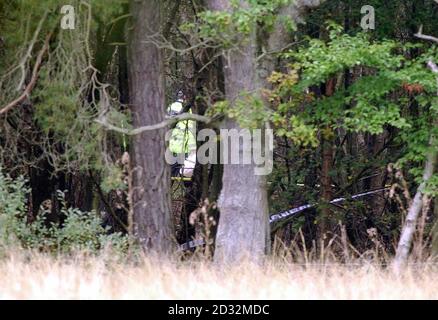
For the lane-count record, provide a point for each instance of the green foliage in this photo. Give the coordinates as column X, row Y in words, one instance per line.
column 68, row 94
column 367, row 105
column 107, row 10
column 12, row 205
column 299, row 133
column 57, row 106
column 388, row 90
column 113, row 179
column 80, row 231
column 227, row 28
column 416, row 147
column 320, row 60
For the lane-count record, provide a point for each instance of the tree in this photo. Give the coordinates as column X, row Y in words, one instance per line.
column 406, row 237
column 152, row 221
column 243, row 202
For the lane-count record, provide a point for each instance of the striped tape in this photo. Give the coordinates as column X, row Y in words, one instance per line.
column 286, row 214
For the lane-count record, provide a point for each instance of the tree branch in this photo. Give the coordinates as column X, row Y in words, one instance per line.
column 167, row 122
column 28, row 54
column 105, row 202
column 408, row 230
column 407, row 234
column 432, row 66
column 34, row 77
column 420, row 35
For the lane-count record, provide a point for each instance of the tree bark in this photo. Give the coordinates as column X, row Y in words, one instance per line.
column 327, row 159
column 280, row 36
column 326, row 187
column 243, row 203
column 378, row 180
column 435, row 230
column 152, row 221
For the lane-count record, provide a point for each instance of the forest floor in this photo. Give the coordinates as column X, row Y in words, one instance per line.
column 25, row 275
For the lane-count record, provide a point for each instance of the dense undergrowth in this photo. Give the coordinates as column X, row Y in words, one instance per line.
column 78, row 231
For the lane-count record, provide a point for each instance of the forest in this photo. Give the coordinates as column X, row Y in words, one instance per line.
column 205, row 135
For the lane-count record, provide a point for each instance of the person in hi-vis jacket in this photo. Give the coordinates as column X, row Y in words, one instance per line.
column 182, row 139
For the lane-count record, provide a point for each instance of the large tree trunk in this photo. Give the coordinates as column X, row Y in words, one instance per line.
column 152, row 221
column 244, row 220
column 243, row 203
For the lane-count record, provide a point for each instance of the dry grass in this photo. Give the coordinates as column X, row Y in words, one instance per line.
column 25, row 275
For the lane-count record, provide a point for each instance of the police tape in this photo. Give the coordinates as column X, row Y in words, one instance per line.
column 286, row 214
column 294, row 211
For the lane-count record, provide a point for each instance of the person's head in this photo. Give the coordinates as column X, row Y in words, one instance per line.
column 180, row 95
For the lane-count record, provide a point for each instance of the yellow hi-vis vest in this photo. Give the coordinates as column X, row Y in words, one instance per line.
column 182, row 139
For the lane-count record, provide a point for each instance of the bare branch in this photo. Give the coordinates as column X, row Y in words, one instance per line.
column 406, row 236
column 28, row 54
column 34, row 77
column 432, row 66
column 169, row 121
column 420, row 35
column 164, row 44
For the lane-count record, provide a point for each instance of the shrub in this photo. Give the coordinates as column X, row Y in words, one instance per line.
column 80, row 231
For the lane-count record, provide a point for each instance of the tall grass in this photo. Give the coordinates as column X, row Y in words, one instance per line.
column 30, row 275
